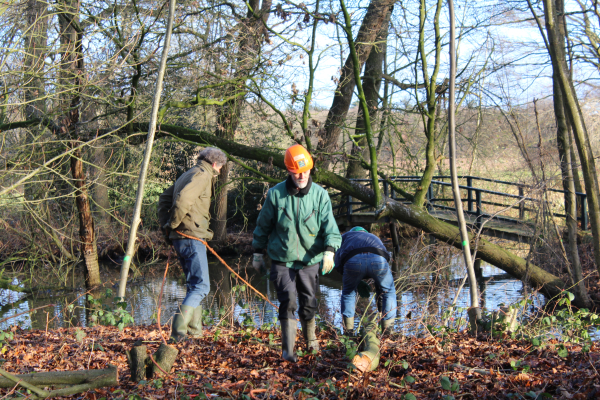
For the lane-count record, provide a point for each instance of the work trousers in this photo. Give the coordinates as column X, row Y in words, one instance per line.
column 290, row 282
column 192, row 256
column 367, row 265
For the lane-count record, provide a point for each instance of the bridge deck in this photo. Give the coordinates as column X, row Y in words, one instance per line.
column 515, row 231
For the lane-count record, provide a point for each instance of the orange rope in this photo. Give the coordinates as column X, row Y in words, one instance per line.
column 228, row 267
column 160, row 299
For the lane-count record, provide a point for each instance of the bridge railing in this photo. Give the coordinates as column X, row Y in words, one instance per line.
column 476, row 198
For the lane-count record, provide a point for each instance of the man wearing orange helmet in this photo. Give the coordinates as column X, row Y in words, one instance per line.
column 297, row 229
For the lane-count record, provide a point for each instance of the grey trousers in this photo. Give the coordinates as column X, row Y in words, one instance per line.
column 291, row 282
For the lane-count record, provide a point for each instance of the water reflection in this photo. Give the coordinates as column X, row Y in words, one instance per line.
column 228, row 300
column 419, row 301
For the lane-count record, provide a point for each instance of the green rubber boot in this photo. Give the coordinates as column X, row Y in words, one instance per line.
column 288, row 339
column 181, row 321
column 195, row 325
column 309, row 331
column 387, row 326
column 348, row 326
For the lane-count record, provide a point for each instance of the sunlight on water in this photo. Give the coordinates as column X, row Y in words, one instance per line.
column 231, row 302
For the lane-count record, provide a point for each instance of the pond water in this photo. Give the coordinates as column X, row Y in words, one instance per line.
column 231, row 301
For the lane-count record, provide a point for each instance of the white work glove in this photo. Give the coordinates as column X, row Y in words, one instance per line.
column 327, row 262
column 258, row 261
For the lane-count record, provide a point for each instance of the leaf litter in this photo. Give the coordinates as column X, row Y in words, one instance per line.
column 246, row 364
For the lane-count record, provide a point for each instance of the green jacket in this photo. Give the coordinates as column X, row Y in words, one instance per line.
column 296, row 227
column 185, row 205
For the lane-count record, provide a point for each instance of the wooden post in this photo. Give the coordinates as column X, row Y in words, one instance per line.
column 479, row 209
column 470, row 194
column 521, row 204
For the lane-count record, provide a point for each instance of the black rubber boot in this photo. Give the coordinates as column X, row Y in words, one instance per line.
column 195, row 325
column 288, row 339
column 309, row 331
column 179, row 329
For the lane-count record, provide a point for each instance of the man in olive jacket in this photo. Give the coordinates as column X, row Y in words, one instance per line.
column 184, row 207
column 297, row 229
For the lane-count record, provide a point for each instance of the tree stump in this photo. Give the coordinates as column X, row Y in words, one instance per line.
column 141, row 365
column 165, row 357
column 137, row 358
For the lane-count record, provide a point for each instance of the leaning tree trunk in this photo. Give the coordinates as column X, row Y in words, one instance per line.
column 586, row 155
column 548, row 283
column 71, row 81
column 135, row 221
column 466, row 247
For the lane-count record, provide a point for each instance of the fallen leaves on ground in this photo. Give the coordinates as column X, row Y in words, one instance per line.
column 246, row 363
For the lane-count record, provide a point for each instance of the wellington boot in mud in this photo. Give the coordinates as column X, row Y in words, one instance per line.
column 288, row 339
column 309, row 331
column 195, row 325
column 181, row 321
column 387, row 326
column 348, row 326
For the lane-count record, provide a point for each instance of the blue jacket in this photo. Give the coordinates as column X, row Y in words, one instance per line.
column 296, row 226
column 356, row 240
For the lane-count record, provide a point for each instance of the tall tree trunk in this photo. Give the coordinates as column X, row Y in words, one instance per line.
column 371, row 25
column 429, row 116
column 35, row 43
column 574, row 161
column 36, row 38
column 371, row 85
column 552, row 8
column 71, row 80
column 228, row 115
column 87, row 234
column 564, row 153
column 99, row 187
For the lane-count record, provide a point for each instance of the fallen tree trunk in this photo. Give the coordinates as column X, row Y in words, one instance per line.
column 546, row 282
column 76, row 381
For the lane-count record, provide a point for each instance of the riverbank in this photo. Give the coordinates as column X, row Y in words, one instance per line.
column 246, row 363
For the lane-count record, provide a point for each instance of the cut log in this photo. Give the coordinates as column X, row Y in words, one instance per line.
column 81, row 381
column 60, row 378
column 165, row 358
column 368, row 359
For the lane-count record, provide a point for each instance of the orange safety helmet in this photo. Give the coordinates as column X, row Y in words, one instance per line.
column 297, row 159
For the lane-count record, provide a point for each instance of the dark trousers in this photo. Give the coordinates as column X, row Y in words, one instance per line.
column 291, row 282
